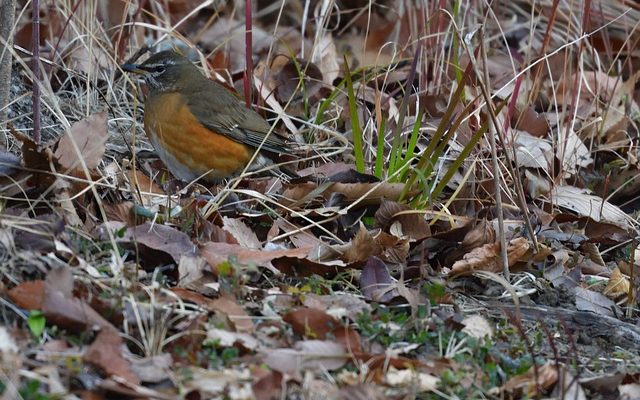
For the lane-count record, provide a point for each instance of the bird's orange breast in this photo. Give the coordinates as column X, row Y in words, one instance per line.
column 187, row 147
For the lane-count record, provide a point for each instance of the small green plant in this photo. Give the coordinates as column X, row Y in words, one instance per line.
column 36, row 323
column 434, row 292
column 31, row 391
column 219, row 357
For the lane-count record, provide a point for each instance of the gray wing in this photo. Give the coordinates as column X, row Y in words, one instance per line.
column 219, row 110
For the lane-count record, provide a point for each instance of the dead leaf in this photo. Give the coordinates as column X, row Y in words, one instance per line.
column 629, row 391
column 267, row 385
column 62, row 309
column 412, row 223
column 618, row 285
column 212, row 383
column 308, row 355
column 572, row 151
column 407, row 377
column 531, row 122
column 311, row 323
column 244, row 235
column 526, row 384
column 477, row 327
column 361, row 247
column 488, row 258
column 154, row 369
column 226, row 35
column 533, row 152
column 226, row 338
column 39, row 234
column 583, row 203
column 237, row 315
column 288, row 85
column 92, row 61
column 28, row 295
column 218, row 253
column 588, row 300
column 317, row 324
column 9, row 163
column 481, row 234
column 365, row 193
column 190, row 269
column 84, row 142
column 162, row 238
column 106, row 353
column 37, row 159
column 568, row 387
column 122, row 212
column 326, row 57
column 338, row 304
column 303, row 267
column 376, row 282
column 139, row 180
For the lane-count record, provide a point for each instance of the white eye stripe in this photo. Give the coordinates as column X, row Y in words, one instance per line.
column 160, row 64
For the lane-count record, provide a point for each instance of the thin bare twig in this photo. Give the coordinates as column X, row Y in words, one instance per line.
column 494, row 151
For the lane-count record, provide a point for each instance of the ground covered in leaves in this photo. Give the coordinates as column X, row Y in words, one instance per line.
column 464, row 223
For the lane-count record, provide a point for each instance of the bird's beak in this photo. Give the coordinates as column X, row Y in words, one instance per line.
column 134, row 68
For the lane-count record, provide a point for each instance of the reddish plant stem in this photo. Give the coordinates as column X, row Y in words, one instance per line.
column 35, row 66
column 248, row 73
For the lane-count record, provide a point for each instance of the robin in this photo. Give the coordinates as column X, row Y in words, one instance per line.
column 197, row 127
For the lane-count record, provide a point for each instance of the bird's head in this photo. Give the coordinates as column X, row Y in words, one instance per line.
column 164, row 71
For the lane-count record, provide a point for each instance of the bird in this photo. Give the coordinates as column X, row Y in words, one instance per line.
column 198, row 128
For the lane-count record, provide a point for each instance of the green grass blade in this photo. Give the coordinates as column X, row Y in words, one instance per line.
column 356, row 130
column 377, row 171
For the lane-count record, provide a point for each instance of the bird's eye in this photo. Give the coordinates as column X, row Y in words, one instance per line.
column 160, row 69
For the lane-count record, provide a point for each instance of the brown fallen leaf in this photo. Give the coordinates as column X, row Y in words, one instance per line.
column 583, row 203
column 153, row 369
column 307, row 355
column 243, row 235
column 303, row 267
column 412, row 223
column 236, row 314
column 37, row 159
column 588, row 300
column 62, row 309
column 370, row 243
column 28, row 295
column 488, row 258
column 162, row 238
column 311, row 323
column 618, row 285
column 144, row 184
column 316, row 324
column 529, row 120
column 40, row 233
column 106, row 353
column 528, row 383
column 218, row 253
column 223, row 338
column 376, row 282
column 121, row 212
column 288, row 85
column 340, row 304
column 84, row 142
column 361, row 247
column 422, row 382
column 266, row 385
column 365, row 193
column 481, row 234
